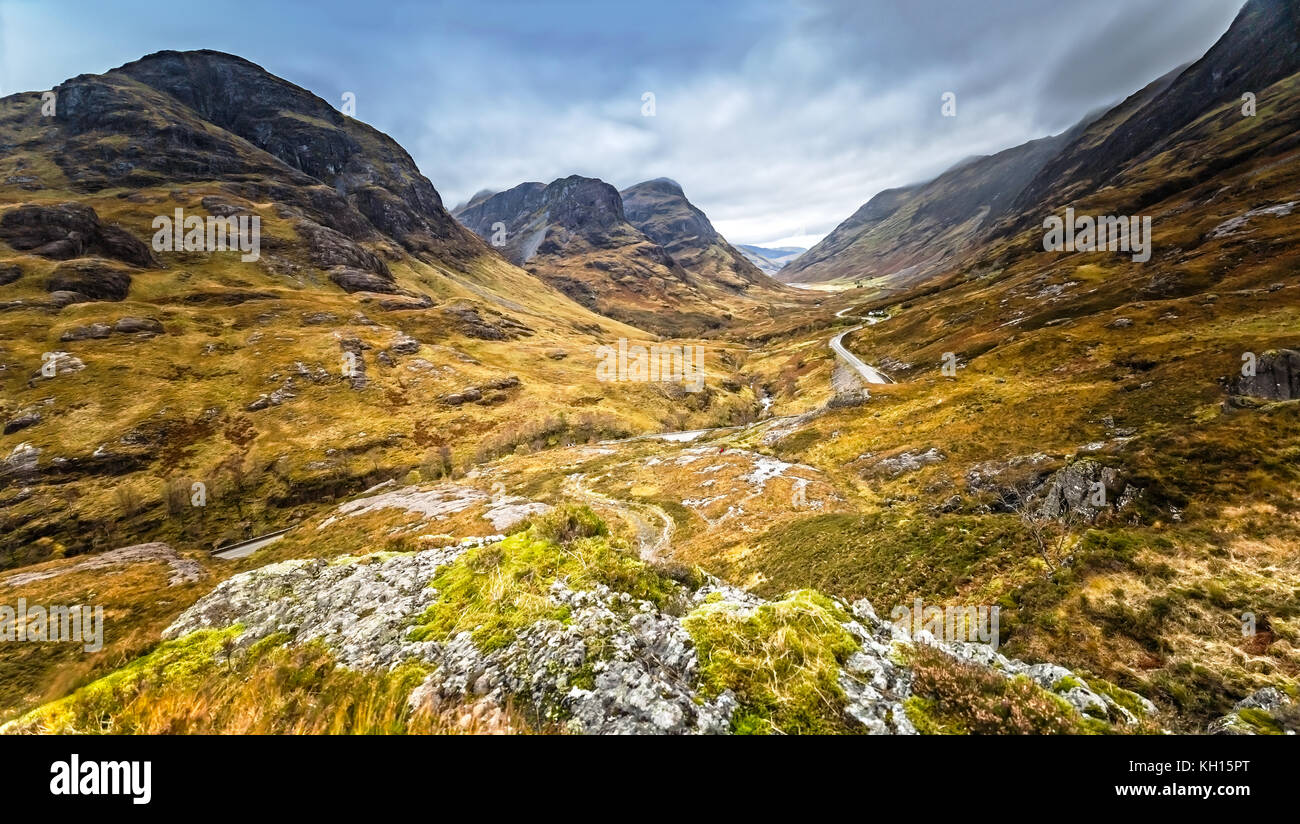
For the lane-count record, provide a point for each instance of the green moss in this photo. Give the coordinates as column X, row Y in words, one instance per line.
column 924, row 715
column 898, row 653
column 585, row 677
column 190, row 686
column 178, row 664
column 1260, row 721
column 1096, row 726
column 781, row 660
column 1130, row 701
column 495, row 591
column 1066, row 684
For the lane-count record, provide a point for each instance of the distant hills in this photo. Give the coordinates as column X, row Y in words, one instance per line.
column 629, row 255
column 904, row 236
column 908, row 234
column 771, row 260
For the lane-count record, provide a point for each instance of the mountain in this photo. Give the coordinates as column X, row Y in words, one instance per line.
column 349, row 347
column 771, row 260
column 907, row 235
column 659, row 208
column 1261, row 47
column 903, row 236
column 1095, row 449
column 185, row 124
column 575, row 234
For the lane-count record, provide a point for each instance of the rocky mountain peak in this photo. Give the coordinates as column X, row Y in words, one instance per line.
column 205, row 115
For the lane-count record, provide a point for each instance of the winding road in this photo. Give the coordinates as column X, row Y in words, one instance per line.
column 245, row 548
column 869, row 373
column 655, row 540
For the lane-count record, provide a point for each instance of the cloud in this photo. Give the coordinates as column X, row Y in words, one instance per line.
column 822, row 108
column 778, row 119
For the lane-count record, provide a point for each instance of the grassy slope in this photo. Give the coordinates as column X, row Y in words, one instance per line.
column 1156, row 602
column 1153, row 601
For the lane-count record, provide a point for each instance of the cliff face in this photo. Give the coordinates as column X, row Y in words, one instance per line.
column 191, row 116
column 659, row 208
column 567, row 216
column 578, row 234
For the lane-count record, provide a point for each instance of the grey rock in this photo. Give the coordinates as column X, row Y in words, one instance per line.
column 1277, row 377
column 22, row 461
column 22, row 421
column 95, row 279
column 64, row 364
column 94, row 331
column 132, row 326
column 404, row 345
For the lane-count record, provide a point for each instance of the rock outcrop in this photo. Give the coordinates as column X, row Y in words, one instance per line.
column 70, row 230
column 1263, row 712
column 616, row 663
column 659, row 208
column 1276, row 378
column 92, row 278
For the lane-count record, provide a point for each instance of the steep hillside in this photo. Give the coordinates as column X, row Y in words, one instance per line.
column 574, row 234
column 659, row 208
column 365, row 335
column 903, row 236
column 1261, row 48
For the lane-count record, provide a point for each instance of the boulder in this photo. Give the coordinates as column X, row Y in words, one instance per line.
column 1277, row 377
column 221, row 207
column 60, row 298
column 404, row 345
column 94, row 331
column 1073, row 489
column 1256, row 713
column 64, row 364
column 904, row 462
column 21, row 461
column 94, row 278
column 469, row 320
column 355, row 280
column 405, row 301
column 469, row 394
column 70, row 230
column 22, row 421
column 131, row 326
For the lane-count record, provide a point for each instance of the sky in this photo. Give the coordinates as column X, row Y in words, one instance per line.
column 779, row 118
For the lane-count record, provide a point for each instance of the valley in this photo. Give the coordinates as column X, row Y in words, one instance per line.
column 382, row 459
